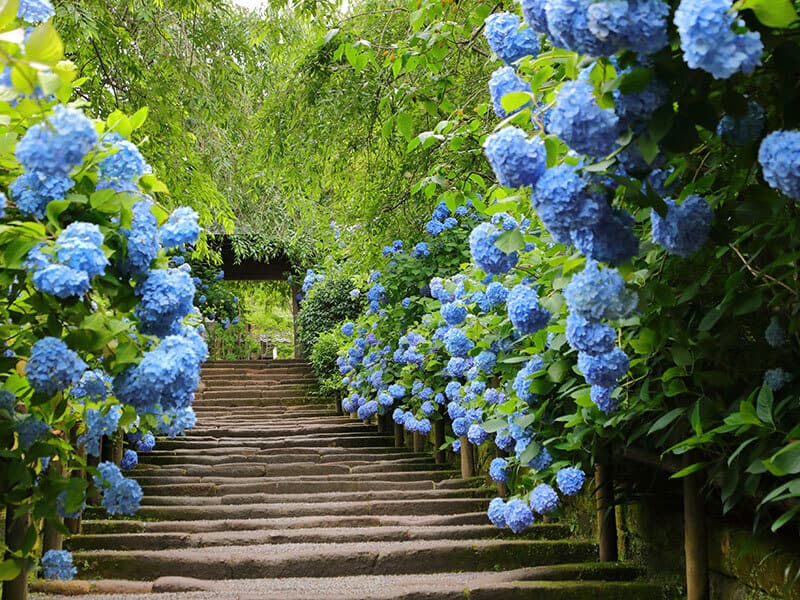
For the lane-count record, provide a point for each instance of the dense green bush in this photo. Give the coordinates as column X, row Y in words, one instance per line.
column 328, row 303
column 323, row 360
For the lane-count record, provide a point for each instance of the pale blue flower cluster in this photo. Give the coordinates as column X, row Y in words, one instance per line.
column 348, row 328
column 121, row 495
column 456, row 343
column 121, row 170
column 59, row 144
column 541, row 461
column 522, row 381
column 563, row 202
column 57, row 564
column 779, row 157
column 685, row 227
column 597, row 294
column 181, row 228
column 591, row 337
column 603, row 370
column 477, row 435
column 570, row 480
column 775, row 334
column 35, row 11
column 30, row 431
column 517, row 515
column 499, row 470
column 142, row 237
column 743, row 129
column 543, row 499
column 94, row 385
column 485, row 361
column 508, row 39
column 52, row 366
column 486, row 254
column 580, row 122
column 165, row 297
column 524, row 310
column 709, row 42
column 421, row 250
column 178, row 421
column 454, row 313
column 33, row 191
column 775, row 379
column 99, row 424
column 497, row 512
column 146, row 443
column 506, row 81
column 129, row 460
column 634, row 107
column 516, row 160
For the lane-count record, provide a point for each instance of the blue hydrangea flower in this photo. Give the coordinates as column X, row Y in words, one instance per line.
column 636, row 25
column 497, row 512
column 428, row 408
column 59, row 144
column 454, row 313
column 348, row 328
column 580, row 122
column 143, row 242
column 35, row 11
column 33, row 191
column 744, row 129
column 634, row 107
column 99, row 424
column 564, row 204
column 506, row 38
column 397, row 391
column 367, row 410
column 61, row 507
column 61, row 281
column 458, row 367
column 122, row 169
column 147, row 443
column 504, row 441
column 535, row 16
column 52, row 366
column 498, row 470
column 57, row 564
column 376, row 293
column 602, row 397
column 31, row 431
column 518, row 515
column 775, row 334
column 592, row 337
column 568, row 27
column 384, row 399
column 496, row 294
column 541, row 461
column 121, row 496
column 477, row 435
column 455, row 410
column 544, row 499
column 421, row 250
column 524, row 311
column 486, row 254
column 461, row 426
column 494, row 396
column 603, row 370
column 685, row 227
column 165, row 297
column 522, row 381
column 78, row 246
column 570, row 480
column 8, row 401
column 3, row 205
column 516, row 160
column 180, row 229
column 775, row 379
column 596, row 294
column 178, row 421
column 456, row 342
column 486, row 360
column 129, row 460
column 709, row 42
column 506, row 81
column 779, row 157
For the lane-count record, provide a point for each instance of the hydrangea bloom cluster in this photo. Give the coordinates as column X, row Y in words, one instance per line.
column 685, row 227
column 544, row 499
column 570, row 480
column 142, row 237
column 457, row 343
column 775, row 379
column 57, row 564
column 518, row 515
column 506, row 81
column 121, row 495
column 524, row 311
column 94, row 385
column 181, row 228
column 33, row 191
column 59, row 144
column 165, row 297
column 497, row 513
column 121, row 169
column 486, row 254
column 30, row 431
column 744, row 129
column 498, row 470
column 99, row 424
column 580, row 122
column 516, row 160
column 775, row 334
column 508, row 39
column 53, row 367
column 421, row 250
column 129, row 460
column 779, row 157
column 709, row 42
column 522, row 381
column 146, row 443
column 35, row 11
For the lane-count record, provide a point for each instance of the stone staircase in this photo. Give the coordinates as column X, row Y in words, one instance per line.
column 274, row 496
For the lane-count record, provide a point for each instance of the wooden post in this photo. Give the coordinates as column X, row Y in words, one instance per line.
column 606, row 512
column 93, row 493
column 74, row 525
column 117, row 449
column 438, row 441
column 467, row 462
column 502, row 488
column 419, row 443
column 16, row 528
column 695, row 540
column 298, row 353
column 52, row 537
column 399, row 434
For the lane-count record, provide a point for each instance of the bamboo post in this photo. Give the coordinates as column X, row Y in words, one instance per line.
column 399, row 442
column 695, row 541
column 419, row 442
column 438, row 441
column 52, row 536
column 467, row 460
column 606, row 512
column 16, row 527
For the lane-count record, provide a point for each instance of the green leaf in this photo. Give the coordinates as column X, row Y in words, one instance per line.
column 9, row 569
column 54, row 210
column 531, row 452
column 688, row 470
column 44, row 45
column 710, row 319
column 513, row 101
column 510, row 241
column 8, row 11
column 696, row 419
column 784, row 518
column 139, row 117
column 772, row 13
column 666, row 420
column 405, row 124
column 764, row 405
column 494, row 425
column 785, row 462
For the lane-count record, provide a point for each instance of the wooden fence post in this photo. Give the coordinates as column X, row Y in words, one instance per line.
column 16, row 528
column 606, row 512
column 438, row 441
column 467, row 460
column 695, row 540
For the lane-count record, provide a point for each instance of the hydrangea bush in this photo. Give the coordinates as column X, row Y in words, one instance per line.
column 101, row 337
column 640, row 240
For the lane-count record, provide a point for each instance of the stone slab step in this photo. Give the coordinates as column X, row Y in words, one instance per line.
column 377, row 452
column 253, row 537
column 273, row 459
column 361, row 496
column 225, row 476
column 504, row 585
column 329, row 560
column 442, row 506
column 90, row 526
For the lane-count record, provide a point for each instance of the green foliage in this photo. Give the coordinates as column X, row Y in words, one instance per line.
column 327, row 304
column 323, row 360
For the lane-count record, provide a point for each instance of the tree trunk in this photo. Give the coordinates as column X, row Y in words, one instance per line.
column 467, row 460
column 695, row 541
column 606, row 513
column 16, row 528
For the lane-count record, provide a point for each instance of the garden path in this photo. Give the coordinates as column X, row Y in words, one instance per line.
column 272, row 495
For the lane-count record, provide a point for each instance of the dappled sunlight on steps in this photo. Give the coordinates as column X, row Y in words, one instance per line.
column 274, row 496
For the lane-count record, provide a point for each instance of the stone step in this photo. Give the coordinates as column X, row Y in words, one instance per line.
column 234, row 403
column 585, row 581
column 225, row 476
column 255, row 393
column 417, row 522
column 292, row 486
column 328, row 509
column 321, row 497
column 351, row 459
column 368, row 452
column 309, row 535
column 330, row 560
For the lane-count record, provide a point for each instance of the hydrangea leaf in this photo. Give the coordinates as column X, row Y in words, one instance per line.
column 772, row 13
column 8, row 12
column 510, row 241
column 9, row 568
column 44, row 45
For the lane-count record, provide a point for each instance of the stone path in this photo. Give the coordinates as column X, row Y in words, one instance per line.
column 273, row 496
